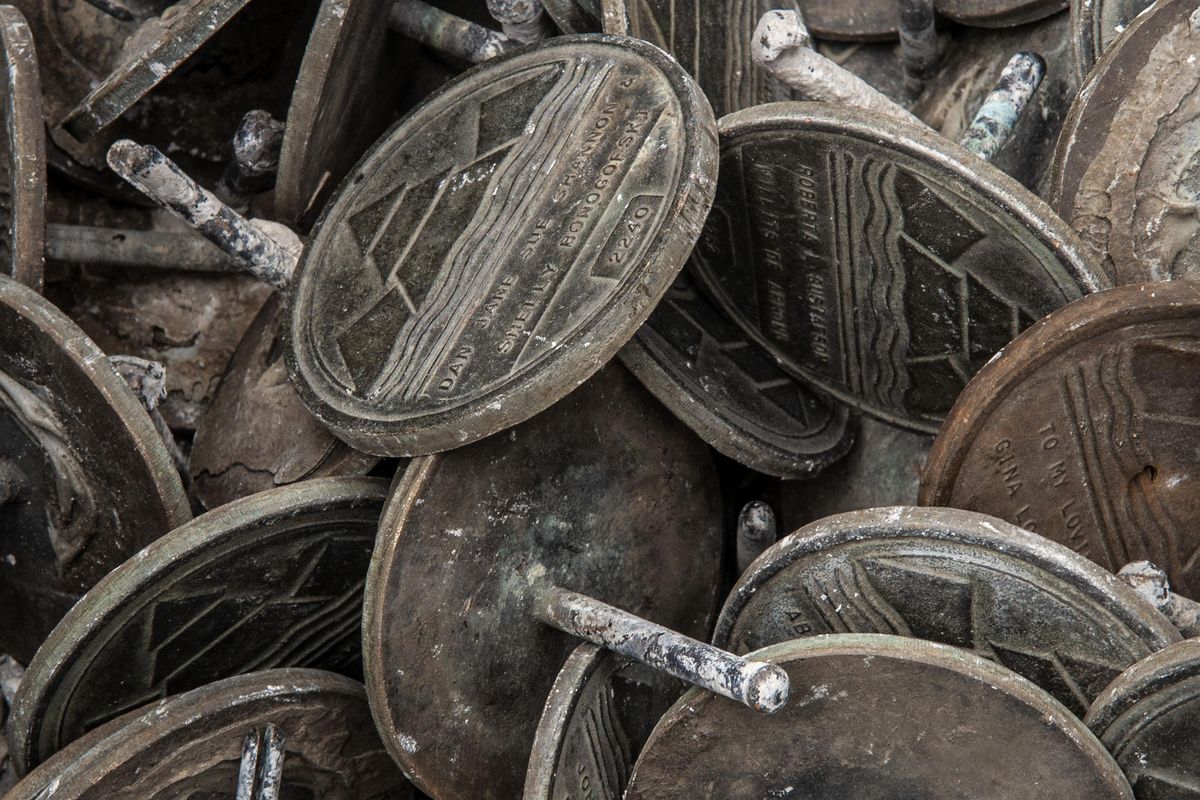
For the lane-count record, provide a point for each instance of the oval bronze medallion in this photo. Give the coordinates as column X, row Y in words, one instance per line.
column 22, row 154
column 500, row 244
column 876, row 260
column 274, row 580
column 189, row 745
column 878, row 718
column 1085, row 431
column 1127, row 174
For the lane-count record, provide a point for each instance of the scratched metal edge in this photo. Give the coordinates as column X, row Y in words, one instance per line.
column 26, row 132
column 1108, row 716
column 960, row 12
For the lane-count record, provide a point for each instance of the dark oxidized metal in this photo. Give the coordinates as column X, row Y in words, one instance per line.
column 260, row 772
column 1096, row 25
column 598, row 715
column 851, row 20
column 1084, row 431
column 1000, row 111
column 189, row 745
column 879, row 717
column 757, row 529
column 256, row 147
column 606, row 494
column 999, row 13
column 730, row 392
column 274, row 580
column 256, row 434
column 448, row 33
column 472, row 273
column 919, row 48
column 876, row 260
column 575, row 16
column 1125, row 174
column 1151, row 583
column 22, row 154
column 89, row 480
column 874, row 62
column 953, row 577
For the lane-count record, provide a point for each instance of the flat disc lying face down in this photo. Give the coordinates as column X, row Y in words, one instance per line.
column 273, row 580
column 953, row 577
column 605, row 494
column 878, row 718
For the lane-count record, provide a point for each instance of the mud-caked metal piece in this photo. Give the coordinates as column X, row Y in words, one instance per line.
column 469, row 275
column 189, row 745
column 256, row 146
column 256, row 434
column 919, row 48
column 524, row 21
column 1001, row 110
column 260, row 773
column 1125, row 173
column 575, row 16
column 568, row 498
column 878, row 717
column 1083, row 431
column 148, row 380
column 448, row 33
column 273, row 580
column 1148, row 720
column 726, row 389
column 96, row 483
column 874, row 259
column 22, row 154
column 953, row 577
column 757, row 529
column 1096, row 25
column 1151, row 582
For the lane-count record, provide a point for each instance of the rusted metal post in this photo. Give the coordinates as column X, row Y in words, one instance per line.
column 1001, row 109
column 1151, row 582
column 918, row 43
column 756, row 531
column 443, row 31
column 260, row 773
column 524, row 21
column 256, row 147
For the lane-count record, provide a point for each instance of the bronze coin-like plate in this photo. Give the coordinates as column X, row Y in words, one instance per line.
column 189, row 745
column 86, row 478
column 1095, row 25
column 730, row 392
column 1085, row 431
column 851, row 20
column 256, row 434
column 999, row 13
column 1125, row 173
column 600, row 712
column 878, row 718
column 22, row 154
column 1149, row 719
column 877, row 63
column 605, row 494
column 575, row 16
column 274, row 580
column 500, row 244
column 953, row 577
column 876, row 260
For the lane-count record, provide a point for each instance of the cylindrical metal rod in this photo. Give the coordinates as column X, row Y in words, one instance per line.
column 260, row 773
column 918, row 43
column 114, row 8
column 1001, row 109
column 1151, row 583
column 256, row 147
column 443, row 31
column 782, row 46
column 522, row 20
column 163, row 181
column 757, row 684
column 186, row 251
column 756, row 531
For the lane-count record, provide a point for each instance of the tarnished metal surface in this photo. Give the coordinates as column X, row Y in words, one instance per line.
column 1001, row 110
column 1151, row 583
column 1096, row 24
column 852, row 20
column 919, row 48
column 575, row 16
column 260, row 773
column 879, row 717
column 447, row 33
column 999, row 13
column 584, row 182
column 22, row 154
column 757, row 529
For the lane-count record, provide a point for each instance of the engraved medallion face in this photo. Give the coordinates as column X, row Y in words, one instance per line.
column 575, row 16
column 500, row 244
column 878, row 718
column 84, row 477
column 710, row 38
column 189, row 745
column 730, row 392
column 605, row 494
column 1084, row 431
column 274, row 580
column 22, row 154
column 875, row 260
column 256, row 434
column 1148, row 720
column 953, row 577
column 600, row 712
column 1127, row 170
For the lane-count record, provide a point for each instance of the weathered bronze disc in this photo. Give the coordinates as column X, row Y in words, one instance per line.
column 1085, row 429
column 84, row 477
column 606, row 494
column 600, row 712
column 1096, row 24
column 876, row 260
column 500, row 244
column 999, row 13
column 354, row 69
column 731, row 393
column 878, row 718
column 256, row 434
column 574, row 16
column 189, row 745
column 274, row 580
column 1148, row 720
column 1125, row 173
column 711, row 39
column 953, row 577
column 851, row 20
column 22, row 154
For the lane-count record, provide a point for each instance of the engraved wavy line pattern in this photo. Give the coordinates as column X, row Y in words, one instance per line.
column 882, row 222
column 608, row 756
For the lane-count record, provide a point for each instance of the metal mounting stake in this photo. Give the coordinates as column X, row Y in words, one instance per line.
column 260, row 773
column 1001, row 109
column 444, row 31
column 918, row 43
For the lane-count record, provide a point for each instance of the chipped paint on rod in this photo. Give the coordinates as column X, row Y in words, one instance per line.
column 1001, row 109
column 918, row 43
column 114, row 8
column 523, row 20
column 783, row 47
column 756, row 531
column 185, row 252
column 445, row 32
column 260, row 772
column 1150, row 581
column 159, row 178
column 257, row 144
column 756, row 684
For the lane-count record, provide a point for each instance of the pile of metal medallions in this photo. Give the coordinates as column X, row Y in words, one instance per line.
column 403, row 401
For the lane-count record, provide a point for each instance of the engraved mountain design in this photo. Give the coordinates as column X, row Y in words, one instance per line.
column 604, row 746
